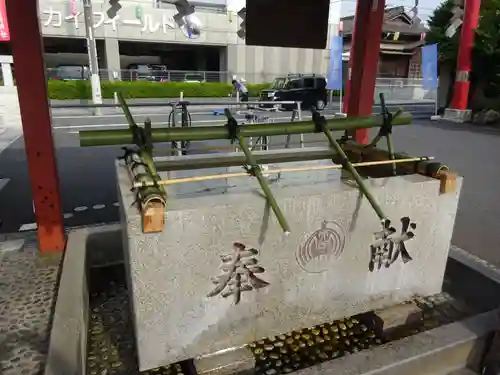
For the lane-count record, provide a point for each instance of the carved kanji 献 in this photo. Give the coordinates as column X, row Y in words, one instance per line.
column 389, row 245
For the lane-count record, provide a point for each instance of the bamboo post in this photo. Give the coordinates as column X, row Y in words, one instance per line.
column 378, row 137
column 255, row 169
column 386, row 129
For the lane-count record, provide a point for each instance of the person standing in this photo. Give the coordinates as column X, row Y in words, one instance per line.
column 240, row 87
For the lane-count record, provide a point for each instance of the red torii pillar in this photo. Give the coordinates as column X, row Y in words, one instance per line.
column 464, row 63
column 27, row 50
column 363, row 61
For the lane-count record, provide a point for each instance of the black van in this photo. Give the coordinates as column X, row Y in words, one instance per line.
column 310, row 89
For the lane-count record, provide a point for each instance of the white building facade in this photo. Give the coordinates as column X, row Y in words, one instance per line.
column 144, row 21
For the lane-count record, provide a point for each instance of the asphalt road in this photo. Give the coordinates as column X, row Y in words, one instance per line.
column 88, row 183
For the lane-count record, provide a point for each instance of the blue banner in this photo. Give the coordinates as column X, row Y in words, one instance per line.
column 335, row 70
column 430, row 66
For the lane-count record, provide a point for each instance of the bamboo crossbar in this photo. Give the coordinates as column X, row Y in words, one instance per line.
column 91, row 138
column 277, row 171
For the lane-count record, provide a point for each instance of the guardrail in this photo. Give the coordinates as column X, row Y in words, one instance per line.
column 170, row 103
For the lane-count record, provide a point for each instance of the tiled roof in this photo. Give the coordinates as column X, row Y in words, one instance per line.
column 395, row 20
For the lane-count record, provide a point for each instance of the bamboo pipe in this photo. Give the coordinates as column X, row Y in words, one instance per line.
column 223, row 176
column 91, row 138
column 430, row 169
column 350, row 168
column 264, row 186
column 126, row 111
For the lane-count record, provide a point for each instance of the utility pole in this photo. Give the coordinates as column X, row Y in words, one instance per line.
column 92, row 51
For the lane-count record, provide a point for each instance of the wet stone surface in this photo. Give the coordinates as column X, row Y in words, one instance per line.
column 111, row 344
column 28, row 285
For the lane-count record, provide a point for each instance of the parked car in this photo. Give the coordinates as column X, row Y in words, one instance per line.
column 194, row 78
column 267, row 95
column 146, row 72
column 71, row 73
column 310, row 89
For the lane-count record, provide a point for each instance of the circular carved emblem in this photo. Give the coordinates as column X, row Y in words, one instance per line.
column 325, row 243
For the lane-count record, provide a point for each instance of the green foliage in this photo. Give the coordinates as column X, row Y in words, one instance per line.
column 488, row 32
column 486, row 51
column 69, row 90
column 438, row 23
column 486, row 56
column 81, row 89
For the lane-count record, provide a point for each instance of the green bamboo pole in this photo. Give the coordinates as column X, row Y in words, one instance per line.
column 427, row 168
column 359, row 180
column 145, row 155
column 264, row 185
column 91, row 138
column 147, row 159
column 126, row 110
column 378, row 137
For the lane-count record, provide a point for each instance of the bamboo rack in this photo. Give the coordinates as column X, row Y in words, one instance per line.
column 148, row 179
column 223, row 176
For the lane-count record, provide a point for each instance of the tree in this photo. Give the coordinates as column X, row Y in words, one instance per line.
column 486, row 53
column 438, row 23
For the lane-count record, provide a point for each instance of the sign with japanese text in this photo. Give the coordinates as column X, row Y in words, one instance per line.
column 4, row 25
column 146, row 22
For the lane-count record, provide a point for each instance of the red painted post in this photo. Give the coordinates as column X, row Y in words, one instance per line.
column 464, row 63
column 27, row 49
column 363, row 62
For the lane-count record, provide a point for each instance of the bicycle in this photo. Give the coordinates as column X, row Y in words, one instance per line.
column 186, row 121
